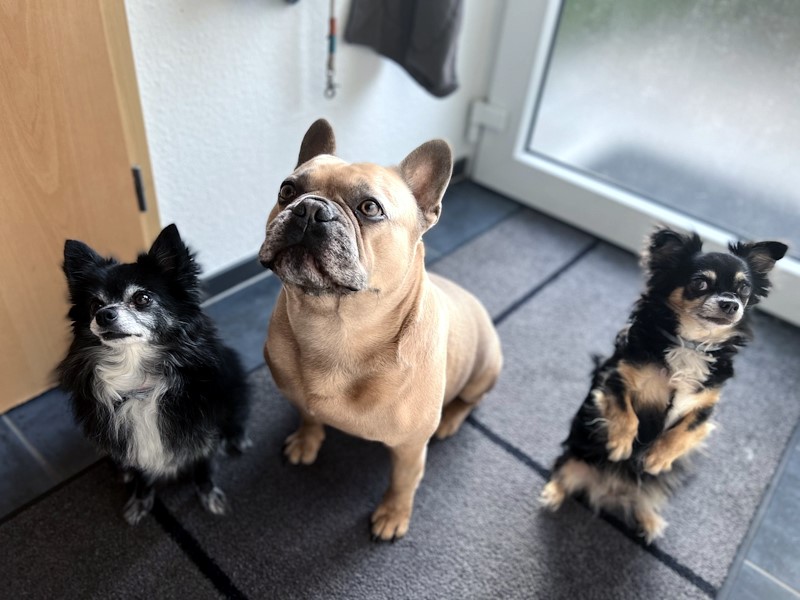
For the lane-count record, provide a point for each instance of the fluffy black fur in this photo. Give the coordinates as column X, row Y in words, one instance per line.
column 684, row 287
column 140, row 336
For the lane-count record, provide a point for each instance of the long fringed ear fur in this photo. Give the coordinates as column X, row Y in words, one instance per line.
column 427, row 172
column 666, row 249
column 319, row 139
column 171, row 256
column 760, row 258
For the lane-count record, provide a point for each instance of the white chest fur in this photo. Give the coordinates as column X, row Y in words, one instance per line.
column 131, row 394
column 689, row 368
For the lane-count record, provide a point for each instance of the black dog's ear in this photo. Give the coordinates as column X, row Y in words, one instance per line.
column 80, row 260
column 173, row 257
column 319, row 139
column 760, row 256
column 427, row 172
column 666, row 249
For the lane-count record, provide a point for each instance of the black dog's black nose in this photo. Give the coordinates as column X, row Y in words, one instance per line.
column 728, row 306
column 106, row 316
column 313, row 209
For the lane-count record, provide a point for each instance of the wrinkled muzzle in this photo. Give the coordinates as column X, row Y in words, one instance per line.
column 312, row 244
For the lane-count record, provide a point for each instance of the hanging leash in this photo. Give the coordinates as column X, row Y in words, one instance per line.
column 330, row 87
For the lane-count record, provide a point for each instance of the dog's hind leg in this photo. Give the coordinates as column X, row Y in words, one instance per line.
column 141, row 500
column 651, row 523
column 211, row 497
column 455, row 413
column 570, row 476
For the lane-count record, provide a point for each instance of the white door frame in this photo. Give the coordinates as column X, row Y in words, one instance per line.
column 504, row 163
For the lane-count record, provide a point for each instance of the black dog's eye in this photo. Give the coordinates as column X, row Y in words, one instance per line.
column 287, row 193
column 95, row 305
column 370, row 208
column 744, row 289
column 141, row 299
column 699, row 285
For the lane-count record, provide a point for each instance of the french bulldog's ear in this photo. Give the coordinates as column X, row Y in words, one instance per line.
column 172, row 256
column 667, row 248
column 427, row 172
column 319, row 139
column 80, row 261
column 760, row 256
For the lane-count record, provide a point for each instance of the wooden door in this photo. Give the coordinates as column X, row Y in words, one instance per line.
column 65, row 171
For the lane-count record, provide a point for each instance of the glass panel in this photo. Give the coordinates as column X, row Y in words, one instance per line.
column 692, row 103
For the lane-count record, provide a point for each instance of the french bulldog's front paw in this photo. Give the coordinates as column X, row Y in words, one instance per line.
column 390, row 521
column 655, row 463
column 214, row 501
column 552, row 496
column 303, row 445
column 619, row 449
column 137, row 509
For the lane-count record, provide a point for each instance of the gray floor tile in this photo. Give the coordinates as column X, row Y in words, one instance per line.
column 467, row 210
column 503, row 264
column 750, row 584
column 75, row 544
column 21, row 478
column 48, row 425
column 776, row 545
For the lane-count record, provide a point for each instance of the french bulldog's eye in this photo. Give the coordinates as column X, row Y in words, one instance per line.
column 288, row 192
column 744, row 289
column 370, row 208
column 141, row 299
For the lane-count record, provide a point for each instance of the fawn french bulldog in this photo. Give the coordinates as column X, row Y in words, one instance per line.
column 362, row 337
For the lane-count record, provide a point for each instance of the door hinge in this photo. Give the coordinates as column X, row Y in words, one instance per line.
column 139, row 187
column 483, row 114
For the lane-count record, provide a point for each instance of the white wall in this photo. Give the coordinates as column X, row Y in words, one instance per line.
column 229, row 87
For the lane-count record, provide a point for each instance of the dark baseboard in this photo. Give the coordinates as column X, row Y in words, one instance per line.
column 232, row 276
column 250, row 267
column 460, row 168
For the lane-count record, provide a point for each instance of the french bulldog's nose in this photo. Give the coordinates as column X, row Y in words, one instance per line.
column 106, row 316
column 728, row 305
column 313, row 209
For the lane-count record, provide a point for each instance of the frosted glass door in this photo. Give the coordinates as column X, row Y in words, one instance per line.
column 691, row 103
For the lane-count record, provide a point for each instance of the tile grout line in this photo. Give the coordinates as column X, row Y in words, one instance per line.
column 31, row 449
column 771, row 577
column 666, row 559
column 469, row 239
column 192, row 549
column 758, row 517
column 507, row 312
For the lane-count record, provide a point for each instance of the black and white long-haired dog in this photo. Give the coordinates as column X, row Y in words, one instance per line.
column 151, row 383
column 650, row 402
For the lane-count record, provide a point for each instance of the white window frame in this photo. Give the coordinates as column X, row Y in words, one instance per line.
column 504, row 163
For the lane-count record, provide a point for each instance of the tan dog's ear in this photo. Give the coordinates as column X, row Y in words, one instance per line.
column 319, row 139
column 427, row 172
